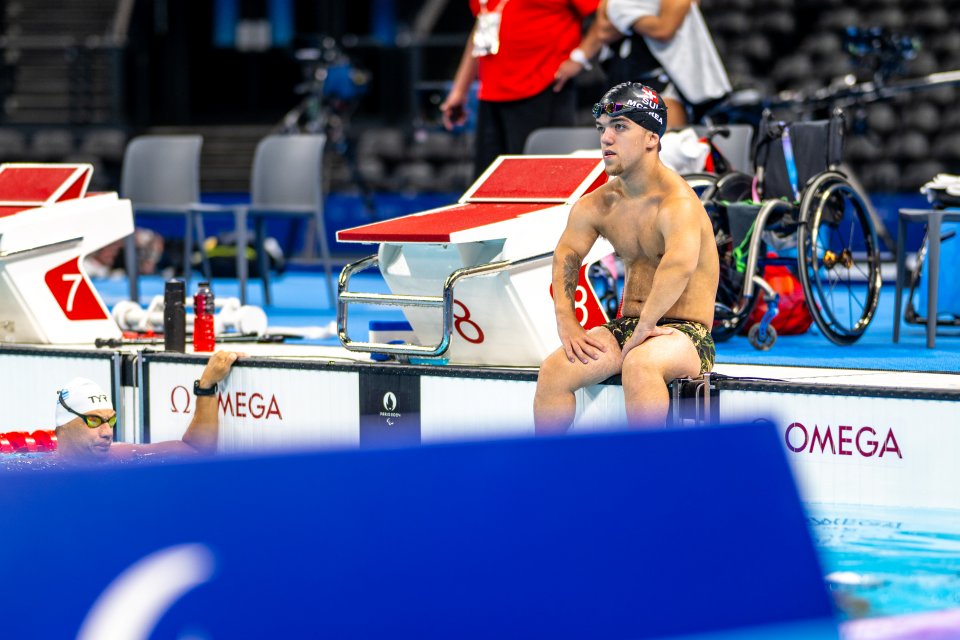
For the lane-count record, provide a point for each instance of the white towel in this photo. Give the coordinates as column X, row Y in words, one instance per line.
column 690, row 58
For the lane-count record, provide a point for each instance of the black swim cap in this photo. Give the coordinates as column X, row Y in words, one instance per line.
column 636, row 101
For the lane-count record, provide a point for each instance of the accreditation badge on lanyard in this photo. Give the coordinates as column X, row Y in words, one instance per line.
column 486, row 34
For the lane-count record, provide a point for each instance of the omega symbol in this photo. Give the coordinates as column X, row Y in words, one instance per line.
column 389, row 401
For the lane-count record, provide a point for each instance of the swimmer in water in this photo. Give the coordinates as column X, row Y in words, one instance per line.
column 85, row 418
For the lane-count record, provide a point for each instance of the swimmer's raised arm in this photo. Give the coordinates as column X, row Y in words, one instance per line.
column 204, row 431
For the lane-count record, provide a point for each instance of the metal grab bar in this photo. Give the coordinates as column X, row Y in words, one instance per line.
column 444, row 302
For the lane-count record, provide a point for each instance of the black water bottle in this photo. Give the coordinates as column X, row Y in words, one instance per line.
column 174, row 316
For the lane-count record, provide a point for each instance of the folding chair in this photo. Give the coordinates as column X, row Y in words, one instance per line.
column 557, row 140
column 286, row 181
column 161, row 177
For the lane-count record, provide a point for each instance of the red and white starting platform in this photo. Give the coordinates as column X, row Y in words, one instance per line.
column 48, row 224
column 473, row 279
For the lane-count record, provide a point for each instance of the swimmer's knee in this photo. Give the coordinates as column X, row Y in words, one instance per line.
column 641, row 374
column 647, row 367
column 551, row 373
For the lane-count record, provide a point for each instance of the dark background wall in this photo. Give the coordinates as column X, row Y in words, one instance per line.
column 178, row 74
column 79, row 77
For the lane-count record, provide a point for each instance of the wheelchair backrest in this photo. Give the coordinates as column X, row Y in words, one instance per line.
column 816, row 146
column 736, row 144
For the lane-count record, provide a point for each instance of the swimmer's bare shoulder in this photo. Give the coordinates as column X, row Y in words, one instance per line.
column 684, row 207
column 595, row 204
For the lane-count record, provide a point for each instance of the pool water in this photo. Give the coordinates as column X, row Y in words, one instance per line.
column 28, row 461
column 880, row 561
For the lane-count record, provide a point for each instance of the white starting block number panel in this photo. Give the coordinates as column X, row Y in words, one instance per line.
column 48, row 224
column 514, row 214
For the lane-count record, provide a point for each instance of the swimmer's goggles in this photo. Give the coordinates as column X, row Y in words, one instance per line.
column 91, row 420
column 611, row 108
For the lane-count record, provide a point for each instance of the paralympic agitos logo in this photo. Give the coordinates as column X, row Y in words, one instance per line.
column 842, row 440
column 237, row 404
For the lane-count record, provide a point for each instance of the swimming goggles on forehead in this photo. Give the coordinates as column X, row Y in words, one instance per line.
column 91, row 420
column 611, row 108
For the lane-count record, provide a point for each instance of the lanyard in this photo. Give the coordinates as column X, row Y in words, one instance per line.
column 499, row 9
column 486, row 34
column 791, row 163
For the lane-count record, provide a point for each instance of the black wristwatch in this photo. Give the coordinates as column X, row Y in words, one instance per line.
column 200, row 391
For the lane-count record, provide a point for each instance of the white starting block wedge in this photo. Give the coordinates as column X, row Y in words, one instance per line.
column 474, row 278
column 48, row 224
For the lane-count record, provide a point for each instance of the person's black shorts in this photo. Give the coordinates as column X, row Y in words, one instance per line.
column 623, row 327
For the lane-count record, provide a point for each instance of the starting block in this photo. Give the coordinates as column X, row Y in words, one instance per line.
column 474, row 279
column 48, row 224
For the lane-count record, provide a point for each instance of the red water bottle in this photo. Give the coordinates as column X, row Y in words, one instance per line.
column 203, row 309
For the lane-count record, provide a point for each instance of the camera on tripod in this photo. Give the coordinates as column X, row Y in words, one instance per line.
column 879, row 50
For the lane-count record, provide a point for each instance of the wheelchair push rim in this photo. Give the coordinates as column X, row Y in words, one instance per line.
column 841, row 280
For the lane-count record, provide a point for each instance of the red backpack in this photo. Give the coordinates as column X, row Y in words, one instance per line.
column 793, row 316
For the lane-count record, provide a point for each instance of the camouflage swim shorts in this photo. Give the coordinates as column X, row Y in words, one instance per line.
column 622, row 328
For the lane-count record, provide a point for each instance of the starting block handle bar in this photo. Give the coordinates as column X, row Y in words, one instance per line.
column 445, row 302
column 391, row 300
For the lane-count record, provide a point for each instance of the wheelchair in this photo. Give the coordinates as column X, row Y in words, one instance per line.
column 801, row 211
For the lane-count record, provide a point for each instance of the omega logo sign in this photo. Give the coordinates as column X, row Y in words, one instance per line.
column 237, row 404
column 841, row 440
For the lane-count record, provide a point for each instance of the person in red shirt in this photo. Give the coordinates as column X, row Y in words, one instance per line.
column 515, row 50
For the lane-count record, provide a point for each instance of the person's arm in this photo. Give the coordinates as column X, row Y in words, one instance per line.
column 678, row 222
column 204, row 430
column 576, row 241
column 664, row 25
column 453, row 109
column 601, row 32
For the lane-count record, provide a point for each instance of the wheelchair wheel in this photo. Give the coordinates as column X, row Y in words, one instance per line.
column 704, row 184
column 838, row 257
column 732, row 308
column 762, row 344
column 734, row 187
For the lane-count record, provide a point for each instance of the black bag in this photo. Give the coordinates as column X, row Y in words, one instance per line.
column 222, row 254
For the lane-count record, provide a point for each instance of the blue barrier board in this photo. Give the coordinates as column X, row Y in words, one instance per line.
column 672, row 532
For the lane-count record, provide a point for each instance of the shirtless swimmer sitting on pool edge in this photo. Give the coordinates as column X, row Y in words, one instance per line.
column 658, row 227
